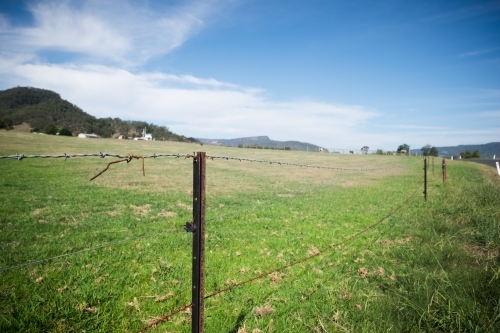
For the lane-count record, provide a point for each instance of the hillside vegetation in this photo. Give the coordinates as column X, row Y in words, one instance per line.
column 40, row 107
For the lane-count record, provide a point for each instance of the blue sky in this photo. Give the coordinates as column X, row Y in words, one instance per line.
column 339, row 74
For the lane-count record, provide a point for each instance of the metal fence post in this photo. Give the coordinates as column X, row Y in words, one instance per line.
column 198, row 275
column 444, row 170
column 425, row 179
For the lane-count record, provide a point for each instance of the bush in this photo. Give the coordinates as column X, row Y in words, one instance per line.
column 50, row 129
column 65, row 131
column 6, row 123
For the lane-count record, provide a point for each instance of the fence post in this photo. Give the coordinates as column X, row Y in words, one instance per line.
column 433, row 166
column 425, row 179
column 444, row 170
column 198, row 274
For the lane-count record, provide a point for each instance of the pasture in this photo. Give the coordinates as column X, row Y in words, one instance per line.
column 111, row 255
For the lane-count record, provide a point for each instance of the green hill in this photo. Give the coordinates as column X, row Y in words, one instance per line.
column 40, row 107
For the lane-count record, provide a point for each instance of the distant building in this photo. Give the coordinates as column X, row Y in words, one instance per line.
column 145, row 136
column 87, row 136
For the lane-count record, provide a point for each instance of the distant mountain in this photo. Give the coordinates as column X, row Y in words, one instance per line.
column 485, row 150
column 40, row 107
column 261, row 142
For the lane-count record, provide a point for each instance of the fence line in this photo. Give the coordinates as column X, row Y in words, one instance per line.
column 127, row 158
column 195, row 156
column 260, row 276
column 88, row 250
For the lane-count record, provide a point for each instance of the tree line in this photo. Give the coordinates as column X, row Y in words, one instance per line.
column 45, row 110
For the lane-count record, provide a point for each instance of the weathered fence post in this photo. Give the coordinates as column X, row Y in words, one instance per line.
column 425, row 179
column 198, row 275
column 498, row 168
column 444, row 170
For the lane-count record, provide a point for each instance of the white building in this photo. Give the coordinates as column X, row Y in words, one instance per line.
column 87, row 136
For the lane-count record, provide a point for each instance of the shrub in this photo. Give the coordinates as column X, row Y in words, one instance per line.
column 50, row 129
column 65, row 131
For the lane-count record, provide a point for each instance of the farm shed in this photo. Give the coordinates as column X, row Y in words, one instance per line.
column 87, row 136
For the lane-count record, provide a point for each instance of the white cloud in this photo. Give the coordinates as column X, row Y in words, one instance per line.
column 113, row 30
column 202, row 108
column 490, row 114
column 478, row 52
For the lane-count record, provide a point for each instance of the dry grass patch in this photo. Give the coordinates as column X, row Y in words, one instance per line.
column 166, row 214
column 263, row 311
column 141, row 210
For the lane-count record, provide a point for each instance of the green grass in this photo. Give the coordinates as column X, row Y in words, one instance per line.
column 431, row 267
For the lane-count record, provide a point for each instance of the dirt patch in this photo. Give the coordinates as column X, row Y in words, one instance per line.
column 166, row 214
column 482, row 252
column 183, row 205
column 141, row 210
column 37, row 211
column 25, row 127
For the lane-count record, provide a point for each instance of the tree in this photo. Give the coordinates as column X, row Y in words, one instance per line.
column 429, row 150
column 468, row 154
column 465, row 154
column 404, row 147
column 365, row 149
column 426, row 150
column 6, row 123
column 50, row 128
column 65, row 131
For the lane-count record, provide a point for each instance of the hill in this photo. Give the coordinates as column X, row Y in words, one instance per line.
column 485, row 150
column 40, row 107
column 261, row 142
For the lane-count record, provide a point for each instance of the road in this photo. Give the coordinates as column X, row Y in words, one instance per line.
column 483, row 161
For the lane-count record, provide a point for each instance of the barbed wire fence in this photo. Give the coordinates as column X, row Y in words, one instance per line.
column 196, row 226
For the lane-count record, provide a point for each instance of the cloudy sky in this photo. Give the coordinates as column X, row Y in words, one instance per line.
column 340, row 74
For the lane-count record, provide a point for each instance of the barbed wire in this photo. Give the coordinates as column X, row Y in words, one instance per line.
column 128, row 157
column 227, row 158
column 317, row 253
column 31, row 263
column 20, row 157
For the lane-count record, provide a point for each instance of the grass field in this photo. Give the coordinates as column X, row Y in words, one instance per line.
column 124, row 260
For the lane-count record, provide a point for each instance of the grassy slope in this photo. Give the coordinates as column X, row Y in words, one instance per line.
column 431, row 267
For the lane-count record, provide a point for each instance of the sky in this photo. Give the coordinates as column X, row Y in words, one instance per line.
column 338, row 74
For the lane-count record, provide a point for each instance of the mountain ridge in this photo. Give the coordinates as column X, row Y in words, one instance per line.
column 262, row 141
column 486, row 150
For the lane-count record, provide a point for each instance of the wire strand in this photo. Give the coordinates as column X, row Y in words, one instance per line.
column 87, row 250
